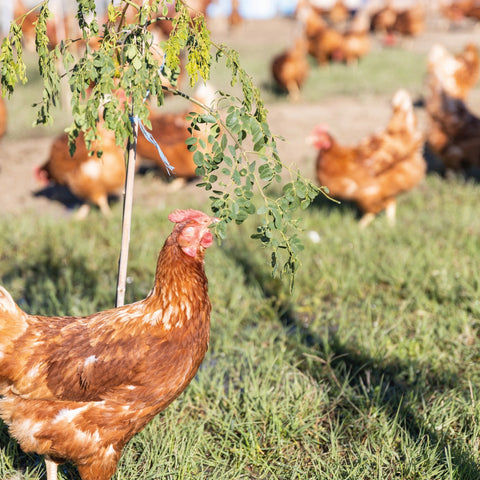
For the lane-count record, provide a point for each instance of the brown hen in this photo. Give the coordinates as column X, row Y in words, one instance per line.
column 324, row 43
column 376, row 171
column 453, row 131
column 79, row 388
column 459, row 72
column 290, row 69
column 90, row 177
column 170, row 130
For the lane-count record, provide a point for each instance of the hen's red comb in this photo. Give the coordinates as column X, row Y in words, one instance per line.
column 320, row 128
column 40, row 174
column 178, row 216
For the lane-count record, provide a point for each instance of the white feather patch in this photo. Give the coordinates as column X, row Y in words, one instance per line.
column 371, row 190
column 68, row 414
column 92, row 168
column 33, row 372
column 90, row 359
column 87, row 437
column 166, row 318
column 154, row 317
column 110, row 450
column 27, row 429
column 349, row 186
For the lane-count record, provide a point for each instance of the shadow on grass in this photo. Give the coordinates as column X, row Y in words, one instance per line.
column 397, row 381
column 435, row 165
column 276, row 92
column 60, row 194
column 328, row 206
column 63, row 195
column 52, row 284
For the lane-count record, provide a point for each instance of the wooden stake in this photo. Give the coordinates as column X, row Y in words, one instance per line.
column 127, row 215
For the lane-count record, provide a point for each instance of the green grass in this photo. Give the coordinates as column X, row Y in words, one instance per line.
column 381, row 71
column 369, row 369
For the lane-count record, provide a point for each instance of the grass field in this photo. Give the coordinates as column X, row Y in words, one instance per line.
column 367, row 370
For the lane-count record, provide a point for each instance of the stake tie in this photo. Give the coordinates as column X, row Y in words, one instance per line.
column 152, row 140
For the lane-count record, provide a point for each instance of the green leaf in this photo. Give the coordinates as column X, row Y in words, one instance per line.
column 137, row 63
column 265, row 172
column 224, row 142
column 236, row 177
column 198, row 158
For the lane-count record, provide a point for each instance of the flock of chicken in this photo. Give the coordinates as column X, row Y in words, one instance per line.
column 338, row 35
column 77, row 389
column 384, row 165
column 372, row 173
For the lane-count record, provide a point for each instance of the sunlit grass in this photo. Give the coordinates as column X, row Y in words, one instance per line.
column 367, row 370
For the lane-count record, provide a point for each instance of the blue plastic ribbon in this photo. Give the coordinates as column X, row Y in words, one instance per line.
column 148, row 135
column 152, row 140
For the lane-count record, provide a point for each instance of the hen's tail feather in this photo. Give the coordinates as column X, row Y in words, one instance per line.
column 13, row 323
column 6, row 301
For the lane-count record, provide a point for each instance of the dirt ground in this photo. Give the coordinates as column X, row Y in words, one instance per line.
column 349, row 117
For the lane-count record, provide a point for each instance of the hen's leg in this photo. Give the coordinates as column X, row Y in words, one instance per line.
column 293, row 91
column 81, row 213
column 366, row 220
column 103, row 205
column 51, row 469
column 390, row 211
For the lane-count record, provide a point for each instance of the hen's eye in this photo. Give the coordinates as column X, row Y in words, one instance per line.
column 188, row 232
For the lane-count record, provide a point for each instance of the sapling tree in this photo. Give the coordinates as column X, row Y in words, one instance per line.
column 238, row 165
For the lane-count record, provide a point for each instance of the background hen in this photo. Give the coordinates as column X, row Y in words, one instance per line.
column 459, row 71
column 390, row 21
column 170, row 130
column 453, row 131
column 78, row 388
column 290, row 69
column 356, row 40
column 323, row 41
column 381, row 167
column 90, row 177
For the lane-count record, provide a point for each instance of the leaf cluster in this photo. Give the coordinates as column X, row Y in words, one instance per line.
column 114, row 67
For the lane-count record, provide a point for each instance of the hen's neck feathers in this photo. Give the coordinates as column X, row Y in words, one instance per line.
column 178, row 273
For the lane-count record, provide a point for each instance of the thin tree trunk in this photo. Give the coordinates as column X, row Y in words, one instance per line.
column 127, row 217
